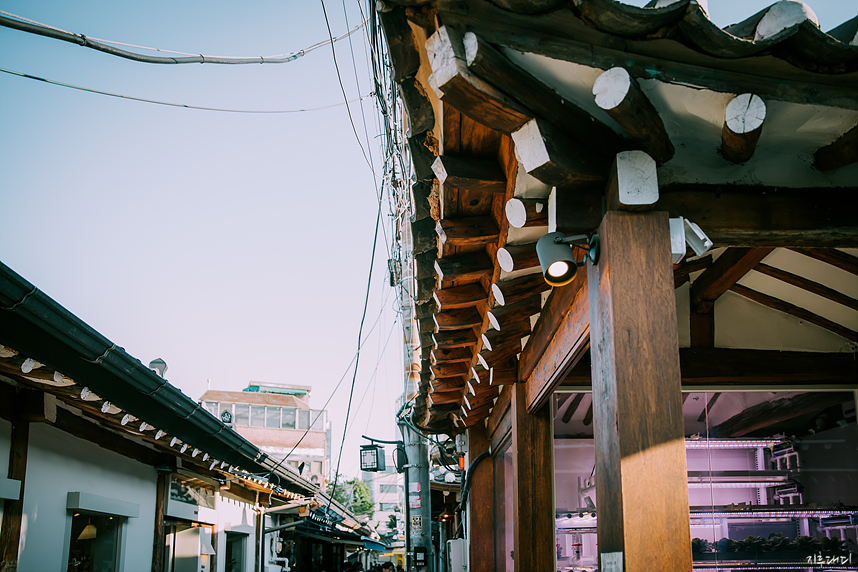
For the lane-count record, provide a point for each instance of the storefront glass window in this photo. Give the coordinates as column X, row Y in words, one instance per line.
column 94, row 543
column 504, row 541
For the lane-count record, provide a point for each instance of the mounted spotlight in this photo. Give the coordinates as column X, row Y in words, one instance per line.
column 557, row 257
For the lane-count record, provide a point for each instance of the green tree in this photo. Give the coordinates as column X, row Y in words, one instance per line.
column 355, row 496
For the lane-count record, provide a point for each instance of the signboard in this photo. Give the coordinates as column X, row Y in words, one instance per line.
column 612, row 562
column 417, row 523
column 413, row 487
column 414, row 501
column 226, row 417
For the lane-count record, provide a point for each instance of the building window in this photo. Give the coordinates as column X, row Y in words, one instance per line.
column 257, row 416
column 318, row 420
column 211, row 406
column 303, row 419
column 288, row 418
column 388, row 506
column 242, row 414
column 94, row 543
column 389, row 488
column 236, row 544
column 272, row 417
column 317, row 467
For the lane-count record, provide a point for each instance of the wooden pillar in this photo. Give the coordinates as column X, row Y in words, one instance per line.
column 641, row 480
column 533, row 485
column 159, row 538
column 481, row 520
column 10, row 533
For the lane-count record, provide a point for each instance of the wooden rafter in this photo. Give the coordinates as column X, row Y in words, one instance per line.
column 730, row 267
column 467, row 231
column 457, row 319
column 454, row 339
column 548, row 154
column 469, row 266
column 842, row 152
column 743, row 123
column 454, row 355
column 497, row 340
column 572, row 408
column 502, row 317
column 808, row 285
column 833, row 257
column 511, row 291
column 471, row 173
column 525, row 213
column 798, row 312
column 460, row 297
column 518, row 257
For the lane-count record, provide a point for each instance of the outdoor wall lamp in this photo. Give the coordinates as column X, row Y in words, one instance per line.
column 557, row 257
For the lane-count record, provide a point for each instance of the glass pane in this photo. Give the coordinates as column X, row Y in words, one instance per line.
column 242, row 414
column 303, row 419
column 272, row 417
column 211, row 406
column 288, row 418
column 257, row 416
column 94, row 541
column 504, row 541
column 318, row 419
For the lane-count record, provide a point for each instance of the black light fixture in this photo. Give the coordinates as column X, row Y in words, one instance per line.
column 557, row 257
column 372, row 458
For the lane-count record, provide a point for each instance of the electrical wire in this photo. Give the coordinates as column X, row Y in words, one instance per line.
column 343, row 89
column 186, row 106
column 25, row 25
column 357, row 361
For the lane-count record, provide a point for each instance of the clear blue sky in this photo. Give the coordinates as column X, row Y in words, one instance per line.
column 236, row 247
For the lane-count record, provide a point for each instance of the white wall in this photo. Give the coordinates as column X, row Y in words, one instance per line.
column 235, row 516
column 58, row 463
column 5, row 441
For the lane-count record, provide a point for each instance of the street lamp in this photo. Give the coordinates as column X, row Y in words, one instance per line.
column 372, row 458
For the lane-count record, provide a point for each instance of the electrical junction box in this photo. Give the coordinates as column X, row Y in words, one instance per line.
column 420, row 557
column 457, row 555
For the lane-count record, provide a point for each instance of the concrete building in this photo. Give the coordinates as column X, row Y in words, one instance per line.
column 278, row 419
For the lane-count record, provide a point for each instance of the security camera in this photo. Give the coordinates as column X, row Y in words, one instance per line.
column 684, row 232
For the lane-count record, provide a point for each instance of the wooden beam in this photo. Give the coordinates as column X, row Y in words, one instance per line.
column 447, row 384
column 843, row 151
column 708, row 408
column 400, row 43
column 548, row 154
column 455, row 355
column 736, row 215
column 469, row 266
column 480, row 375
column 572, row 407
column 449, row 370
column 495, row 340
column 743, row 123
column 687, row 266
column 423, row 292
column 534, row 532
column 481, row 549
column 549, row 35
column 575, row 210
column 424, row 311
column 639, row 436
column 833, row 257
column 561, row 349
column 467, row 231
column 502, row 317
column 425, row 264
column 489, row 359
column 633, row 183
column 442, row 398
column 588, row 416
column 458, row 319
column 454, row 339
column 503, row 376
column 470, row 173
column 460, row 297
column 770, row 413
column 495, row 68
column 13, row 509
column 622, row 98
column 424, row 149
column 798, row 312
column 702, row 329
column 461, row 89
column 421, row 116
column 518, row 257
column 807, row 285
column 424, row 237
column 526, row 213
column 555, row 309
column 730, row 267
column 511, row 291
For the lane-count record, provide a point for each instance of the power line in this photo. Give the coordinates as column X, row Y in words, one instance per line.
column 186, row 106
column 345, row 97
column 23, row 24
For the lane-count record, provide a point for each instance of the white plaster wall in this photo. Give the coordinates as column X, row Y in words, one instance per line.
column 235, row 516
column 58, row 463
column 5, row 440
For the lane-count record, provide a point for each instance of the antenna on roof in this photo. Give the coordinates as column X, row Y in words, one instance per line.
column 208, row 384
column 159, row 366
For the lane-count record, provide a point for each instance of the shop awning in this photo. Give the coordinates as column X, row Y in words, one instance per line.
column 371, row 544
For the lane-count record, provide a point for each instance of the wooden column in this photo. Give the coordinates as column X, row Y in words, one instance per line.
column 481, row 551
column 641, row 481
column 533, row 485
column 10, row 534
column 159, row 539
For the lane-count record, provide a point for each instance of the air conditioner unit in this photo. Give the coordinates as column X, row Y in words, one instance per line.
column 457, row 555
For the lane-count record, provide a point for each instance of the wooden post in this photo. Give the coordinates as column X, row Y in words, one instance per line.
column 533, row 485
column 642, row 494
column 162, row 491
column 10, row 535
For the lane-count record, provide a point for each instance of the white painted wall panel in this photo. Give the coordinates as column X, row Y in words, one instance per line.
column 58, row 463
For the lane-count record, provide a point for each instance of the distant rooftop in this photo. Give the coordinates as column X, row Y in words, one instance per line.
column 279, row 388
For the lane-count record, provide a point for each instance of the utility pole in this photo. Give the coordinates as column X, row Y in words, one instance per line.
column 418, row 511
